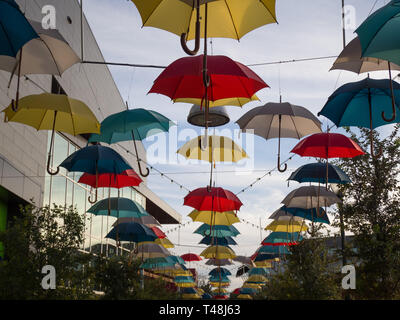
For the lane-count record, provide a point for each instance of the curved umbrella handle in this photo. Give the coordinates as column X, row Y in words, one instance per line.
column 95, row 198
column 197, row 34
column 393, row 114
column 140, row 170
column 52, row 173
column 51, row 151
column 393, row 100
column 375, row 156
column 279, row 166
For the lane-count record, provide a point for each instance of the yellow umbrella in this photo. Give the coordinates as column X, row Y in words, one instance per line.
column 244, row 296
column 220, row 290
column 190, row 296
column 225, row 19
column 56, row 112
column 218, row 218
column 218, row 252
column 265, row 264
column 185, row 284
column 286, row 226
column 164, row 242
column 236, row 102
column 252, row 286
column 257, row 278
column 220, row 284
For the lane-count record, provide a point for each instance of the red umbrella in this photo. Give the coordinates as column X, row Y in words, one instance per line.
column 328, row 145
column 228, row 79
column 191, row 257
column 236, row 291
column 220, row 297
column 128, row 178
column 158, row 232
column 212, row 199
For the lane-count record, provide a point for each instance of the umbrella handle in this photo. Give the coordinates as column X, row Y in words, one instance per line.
column 140, row 170
column 197, row 34
column 393, row 100
column 373, row 152
column 393, row 115
column 95, row 198
column 52, row 173
column 279, row 166
column 52, row 149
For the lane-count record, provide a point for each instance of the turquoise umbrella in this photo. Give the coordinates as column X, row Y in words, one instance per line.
column 132, row 124
column 132, row 232
column 217, row 271
column 281, row 238
column 183, row 279
column 380, row 38
column 313, row 214
column 157, row 263
column 217, row 231
column 218, row 241
column 217, row 278
column 258, row 271
column 118, row 207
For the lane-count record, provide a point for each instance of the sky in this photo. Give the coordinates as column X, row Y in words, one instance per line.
column 305, row 29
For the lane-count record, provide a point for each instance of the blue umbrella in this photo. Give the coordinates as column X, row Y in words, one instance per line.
column 15, row 29
column 206, row 296
column 363, row 104
column 177, row 259
column 118, row 207
column 217, row 271
column 316, row 172
column 217, row 231
column 273, row 250
column 247, row 291
column 96, row 160
column 313, row 214
column 133, row 232
column 219, row 241
column 188, row 290
column 265, row 256
column 258, row 271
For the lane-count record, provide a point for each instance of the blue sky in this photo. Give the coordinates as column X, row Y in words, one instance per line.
column 306, row 28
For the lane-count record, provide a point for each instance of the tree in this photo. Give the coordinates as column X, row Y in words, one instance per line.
column 371, row 211
column 40, row 237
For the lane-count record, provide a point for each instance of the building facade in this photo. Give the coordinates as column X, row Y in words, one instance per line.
column 23, row 150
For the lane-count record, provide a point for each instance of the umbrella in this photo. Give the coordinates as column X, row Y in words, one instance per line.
column 183, row 279
column 56, row 112
column 256, row 278
column 258, row 271
column 188, row 290
column 286, row 226
column 226, row 218
column 378, row 38
column 132, row 124
column 219, row 284
column 219, row 149
column 237, row 102
column 218, row 252
column 281, row 239
column 49, row 53
column 158, row 232
column 16, row 29
column 220, row 297
column 191, row 257
column 219, row 279
column 244, row 260
column 276, row 120
column 328, row 145
column 219, row 291
column 316, row 172
column 118, row 207
column 217, row 271
column 227, row 19
column 242, row 270
column 308, row 214
column 158, row 263
column 150, row 250
column 218, row 241
column 247, row 291
column 264, row 263
column 147, row 220
column 272, row 250
column 244, row 297
column 177, row 259
column 128, row 178
column 310, row 197
column 219, row 262
column 362, row 104
column 212, row 199
column 217, row 231
column 164, row 242
column 133, row 232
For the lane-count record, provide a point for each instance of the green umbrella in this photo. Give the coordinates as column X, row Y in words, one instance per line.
column 118, row 207
column 132, row 124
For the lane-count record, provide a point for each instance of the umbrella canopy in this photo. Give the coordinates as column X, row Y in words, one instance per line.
column 16, row 29
column 258, row 271
column 272, row 250
column 264, row 263
column 128, row 178
column 96, row 160
column 183, row 279
column 147, row 220
column 242, row 270
column 217, row 218
column 219, row 279
column 276, row 120
column 158, row 232
column 312, row 214
column 217, row 231
column 191, row 257
column 228, row 79
column 350, row 59
column 219, row 262
column 188, row 291
column 244, row 297
column 143, row 123
column 212, row 199
column 237, row 102
column 257, row 278
column 264, row 257
column 286, row 226
column 218, row 252
column 281, row 239
column 118, row 207
column 187, row 296
column 378, row 33
column 219, row 291
column 244, row 260
column 48, row 53
column 217, row 271
column 247, row 291
column 328, row 145
column 218, row 241
column 219, row 149
column 206, row 296
column 150, row 250
column 132, row 232
column 316, row 172
column 310, row 197
column 180, row 16
column 166, row 243
column 158, row 263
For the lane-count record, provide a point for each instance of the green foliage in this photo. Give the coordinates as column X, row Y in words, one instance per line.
column 39, row 237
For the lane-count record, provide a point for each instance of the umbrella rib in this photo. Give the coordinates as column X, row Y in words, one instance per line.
column 272, row 15
column 233, row 22
column 294, row 124
column 155, row 8
column 51, row 53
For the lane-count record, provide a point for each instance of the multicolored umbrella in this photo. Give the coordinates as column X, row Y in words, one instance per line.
column 276, row 120
column 363, row 104
column 219, row 262
column 118, row 207
column 132, row 124
column 244, row 260
column 158, row 263
column 56, row 112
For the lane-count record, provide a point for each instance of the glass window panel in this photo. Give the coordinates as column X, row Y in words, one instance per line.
column 58, row 189
column 47, row 187
column 69, row 193
column 60, row 152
